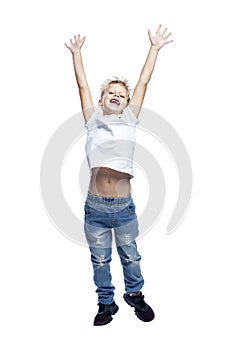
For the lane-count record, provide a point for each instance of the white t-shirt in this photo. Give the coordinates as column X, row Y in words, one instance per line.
column 111, row 140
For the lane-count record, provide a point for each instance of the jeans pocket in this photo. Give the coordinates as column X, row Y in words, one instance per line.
column 88, row 210
column 131, row 208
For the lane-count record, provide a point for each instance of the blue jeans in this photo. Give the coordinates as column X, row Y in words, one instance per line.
column 102, row 214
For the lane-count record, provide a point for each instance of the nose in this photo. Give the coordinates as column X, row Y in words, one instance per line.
column 117, row 94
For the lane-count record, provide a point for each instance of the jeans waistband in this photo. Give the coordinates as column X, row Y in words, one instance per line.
column 108, row 200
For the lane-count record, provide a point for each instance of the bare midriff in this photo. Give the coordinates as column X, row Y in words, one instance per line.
column 107, row 182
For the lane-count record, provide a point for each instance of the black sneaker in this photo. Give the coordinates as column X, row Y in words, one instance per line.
column 143, row 311
column 105, row 313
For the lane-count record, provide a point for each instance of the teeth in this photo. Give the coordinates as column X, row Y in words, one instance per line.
column 115, row 101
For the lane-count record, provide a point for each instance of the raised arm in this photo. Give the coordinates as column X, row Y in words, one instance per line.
column 157, row 42
column 84, row 91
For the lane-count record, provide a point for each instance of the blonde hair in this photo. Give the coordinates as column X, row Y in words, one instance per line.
column 125, row 83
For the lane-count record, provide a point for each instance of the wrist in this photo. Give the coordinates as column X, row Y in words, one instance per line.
column 76, row 52
column 154, row 48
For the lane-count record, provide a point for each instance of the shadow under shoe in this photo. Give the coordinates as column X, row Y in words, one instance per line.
column 105, row 312
column 143, row 311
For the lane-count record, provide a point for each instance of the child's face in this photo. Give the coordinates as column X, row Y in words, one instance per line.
column 114, row 99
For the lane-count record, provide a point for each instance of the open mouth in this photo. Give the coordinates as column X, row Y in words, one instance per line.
column 115, row 101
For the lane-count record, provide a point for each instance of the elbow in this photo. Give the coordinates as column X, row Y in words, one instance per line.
column 143, row 81
column 82, row 85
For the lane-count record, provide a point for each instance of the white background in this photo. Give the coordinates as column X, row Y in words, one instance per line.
column 47, row 294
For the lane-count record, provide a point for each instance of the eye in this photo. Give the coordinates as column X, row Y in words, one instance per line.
column 122, row 96
column 110, row 93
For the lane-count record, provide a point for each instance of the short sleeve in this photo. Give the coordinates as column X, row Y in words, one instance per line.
column 130, row 116
column 92, row 121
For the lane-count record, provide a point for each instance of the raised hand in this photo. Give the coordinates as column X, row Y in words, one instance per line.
column 160, row 38
column 77, row 44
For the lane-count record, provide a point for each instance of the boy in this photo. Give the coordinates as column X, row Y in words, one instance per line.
column 109, row 204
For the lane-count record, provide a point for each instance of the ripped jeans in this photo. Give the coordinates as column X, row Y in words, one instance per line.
column 102, row 214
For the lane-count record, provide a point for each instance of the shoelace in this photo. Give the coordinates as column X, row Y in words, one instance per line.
column 103, row 308
column 139, row 300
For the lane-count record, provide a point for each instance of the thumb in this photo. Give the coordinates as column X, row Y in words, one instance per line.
column 149, row 34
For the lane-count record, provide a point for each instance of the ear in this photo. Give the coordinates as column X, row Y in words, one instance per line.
column 100, row 103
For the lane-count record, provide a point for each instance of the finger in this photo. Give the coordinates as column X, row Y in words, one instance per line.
column 168, row 42
column 167, row 36
column 71, row 41
column 159, row 28
column 164, row 31
column 149, row 33
column 66, row 45
column 151, row 37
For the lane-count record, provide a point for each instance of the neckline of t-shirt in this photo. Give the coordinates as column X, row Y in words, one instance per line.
column 112, row 115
